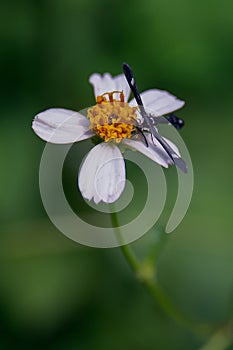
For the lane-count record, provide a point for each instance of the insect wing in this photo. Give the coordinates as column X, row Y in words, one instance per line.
column 178, row 161
column 150, row 121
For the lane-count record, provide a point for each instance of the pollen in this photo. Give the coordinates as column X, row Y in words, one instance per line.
column 111, row 118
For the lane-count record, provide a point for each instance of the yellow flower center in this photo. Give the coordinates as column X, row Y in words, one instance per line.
column 112, row 118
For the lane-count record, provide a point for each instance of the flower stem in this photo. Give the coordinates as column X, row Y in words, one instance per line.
column 130, row 257
column 146, row 274
column 153, row 287
column 220, row 340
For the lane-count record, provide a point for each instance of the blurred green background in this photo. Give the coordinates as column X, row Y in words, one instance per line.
column 54, row 293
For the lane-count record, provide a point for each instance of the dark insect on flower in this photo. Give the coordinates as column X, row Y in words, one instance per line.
column 150, row 122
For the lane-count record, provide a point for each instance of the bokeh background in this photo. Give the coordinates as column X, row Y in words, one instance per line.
column 54, row 293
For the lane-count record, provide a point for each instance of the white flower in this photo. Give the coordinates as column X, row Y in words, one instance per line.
column 102, row 174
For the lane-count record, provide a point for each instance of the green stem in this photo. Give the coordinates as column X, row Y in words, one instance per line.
column 146, row 275
column 153, row 287
column 220, row 340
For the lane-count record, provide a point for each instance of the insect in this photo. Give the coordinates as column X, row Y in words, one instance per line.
column 150, row 123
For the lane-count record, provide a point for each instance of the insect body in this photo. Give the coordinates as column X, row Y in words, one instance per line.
column 150, row 122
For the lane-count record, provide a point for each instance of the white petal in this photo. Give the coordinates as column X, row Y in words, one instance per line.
column 107, row 83
column 154, row 153
column 58, row 125
column 102, row 174
column 159, row 101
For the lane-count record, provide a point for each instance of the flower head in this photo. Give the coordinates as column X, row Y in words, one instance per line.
column 112, row 119
column 116, row 122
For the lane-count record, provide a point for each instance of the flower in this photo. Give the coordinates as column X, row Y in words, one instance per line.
column 116, row 123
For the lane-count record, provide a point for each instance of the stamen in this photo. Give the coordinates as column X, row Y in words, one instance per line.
column 113, row 119
column 102, row 98
column 110, row 96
